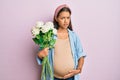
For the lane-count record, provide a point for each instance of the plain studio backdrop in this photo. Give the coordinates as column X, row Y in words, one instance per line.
column 97, row 22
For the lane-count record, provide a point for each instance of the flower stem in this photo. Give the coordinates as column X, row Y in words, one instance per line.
column 46, row 69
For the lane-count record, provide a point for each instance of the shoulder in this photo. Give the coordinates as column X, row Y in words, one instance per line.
column 73, row 33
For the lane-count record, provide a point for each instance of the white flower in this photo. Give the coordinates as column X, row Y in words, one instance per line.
column 39, row 24
column 45, row 29
column 50, row 25
column 54, row 31
column 35, row 31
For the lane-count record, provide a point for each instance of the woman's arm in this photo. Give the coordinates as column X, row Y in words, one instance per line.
column 80, row 64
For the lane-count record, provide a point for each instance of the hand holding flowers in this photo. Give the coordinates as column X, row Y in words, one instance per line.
column 43, row 53
column 44, row 37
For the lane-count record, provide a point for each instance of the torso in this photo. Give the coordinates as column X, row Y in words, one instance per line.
column 63, row 59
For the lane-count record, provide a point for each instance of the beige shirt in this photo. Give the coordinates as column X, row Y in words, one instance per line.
column 63, row 59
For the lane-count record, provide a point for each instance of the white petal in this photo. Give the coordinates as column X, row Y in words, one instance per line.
column 39, row 24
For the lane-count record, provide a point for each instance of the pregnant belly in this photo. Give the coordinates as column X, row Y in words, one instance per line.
column 62, row 67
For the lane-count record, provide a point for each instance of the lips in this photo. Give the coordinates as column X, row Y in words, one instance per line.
column 65, row 24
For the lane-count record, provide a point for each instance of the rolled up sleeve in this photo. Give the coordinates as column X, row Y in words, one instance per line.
column 79, row 50
column 39, row 61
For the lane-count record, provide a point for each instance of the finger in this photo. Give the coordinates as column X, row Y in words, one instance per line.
column 72, row 71
column 46, row 49
column 68, row 75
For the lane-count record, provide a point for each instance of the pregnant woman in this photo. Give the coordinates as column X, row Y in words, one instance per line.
column 67, row 58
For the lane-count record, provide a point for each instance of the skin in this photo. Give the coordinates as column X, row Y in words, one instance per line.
column 63, row 20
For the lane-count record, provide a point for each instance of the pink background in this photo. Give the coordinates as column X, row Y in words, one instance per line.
column 96, row 21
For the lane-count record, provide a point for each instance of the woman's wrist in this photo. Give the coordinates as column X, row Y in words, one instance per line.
column 80, row 69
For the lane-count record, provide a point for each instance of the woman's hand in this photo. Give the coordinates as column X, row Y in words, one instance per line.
column 78, row 70
column 43, row 53
column 72, row 73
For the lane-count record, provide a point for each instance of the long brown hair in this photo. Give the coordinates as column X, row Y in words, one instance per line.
column 62, row 10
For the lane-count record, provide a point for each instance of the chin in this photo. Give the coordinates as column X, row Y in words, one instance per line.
column 65, row 27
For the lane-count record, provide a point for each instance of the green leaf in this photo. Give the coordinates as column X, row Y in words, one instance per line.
column 36, row 40
column 38, row 36
column 41, row 40
column 52, row 42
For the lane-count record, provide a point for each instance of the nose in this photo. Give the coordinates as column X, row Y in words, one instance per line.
column 65, row 20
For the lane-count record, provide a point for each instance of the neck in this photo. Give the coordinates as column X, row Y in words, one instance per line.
column 62, row 30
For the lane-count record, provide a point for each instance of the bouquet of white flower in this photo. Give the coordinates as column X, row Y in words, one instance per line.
column 44, row 37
